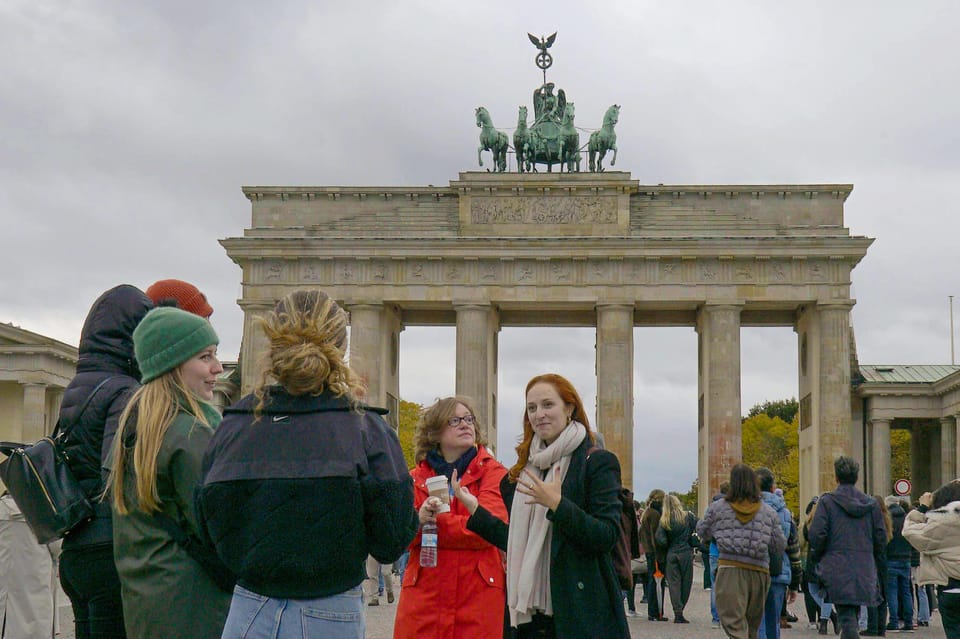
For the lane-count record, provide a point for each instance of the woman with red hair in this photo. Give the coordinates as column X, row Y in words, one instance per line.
column 563, row 525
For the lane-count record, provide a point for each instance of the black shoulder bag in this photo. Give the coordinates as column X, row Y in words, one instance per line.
column 39, row 479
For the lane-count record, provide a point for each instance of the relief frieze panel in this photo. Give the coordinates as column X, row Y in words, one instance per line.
column 575, row 209
column 545, row 271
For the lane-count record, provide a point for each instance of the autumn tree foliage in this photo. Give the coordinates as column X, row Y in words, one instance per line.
column 408, row 418
column 770, row 441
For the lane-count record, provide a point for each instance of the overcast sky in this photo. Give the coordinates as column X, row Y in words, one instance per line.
column 127, row 130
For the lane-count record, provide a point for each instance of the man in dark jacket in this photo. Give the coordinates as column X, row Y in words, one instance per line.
column 847, row 541
column 899, row 585
column 89, row 414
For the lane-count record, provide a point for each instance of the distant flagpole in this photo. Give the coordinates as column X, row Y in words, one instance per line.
column 952, row 360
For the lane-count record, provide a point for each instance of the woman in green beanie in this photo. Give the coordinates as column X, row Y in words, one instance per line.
column 156, row 459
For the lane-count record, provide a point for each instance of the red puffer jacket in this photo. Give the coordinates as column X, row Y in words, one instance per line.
column 463, row 597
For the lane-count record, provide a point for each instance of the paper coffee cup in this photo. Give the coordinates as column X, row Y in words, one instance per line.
column 437, row 487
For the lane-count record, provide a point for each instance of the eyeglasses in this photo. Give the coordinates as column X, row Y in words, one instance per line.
column 469, row 420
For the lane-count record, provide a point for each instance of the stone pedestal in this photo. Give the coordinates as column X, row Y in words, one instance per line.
column 615, row 383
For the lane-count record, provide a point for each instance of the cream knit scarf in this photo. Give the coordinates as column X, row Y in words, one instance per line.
column 528, row 542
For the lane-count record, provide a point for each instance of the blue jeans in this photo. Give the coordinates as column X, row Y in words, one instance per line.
column 817, row 593
column 770, row 628
column 923, row 604
column 899, row 592
column 254, row 616
column 714, row 562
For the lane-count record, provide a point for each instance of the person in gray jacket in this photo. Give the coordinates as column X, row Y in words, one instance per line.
column 747, row 533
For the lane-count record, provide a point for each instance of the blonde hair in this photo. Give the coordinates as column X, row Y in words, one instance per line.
column 149, row 414
column 434, row 419
column 673, row 512
column 307, row 332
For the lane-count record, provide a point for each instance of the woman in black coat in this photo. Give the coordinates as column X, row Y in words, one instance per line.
column 106, row 373
column 562, row 496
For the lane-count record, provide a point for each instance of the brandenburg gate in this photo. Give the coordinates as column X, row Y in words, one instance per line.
column 576, row 249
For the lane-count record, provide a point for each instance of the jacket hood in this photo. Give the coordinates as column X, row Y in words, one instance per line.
column 853, row 502
column 745, row 510
column 106, row 341
column 773, row 500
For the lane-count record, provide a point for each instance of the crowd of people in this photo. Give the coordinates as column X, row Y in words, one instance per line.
column 282, row 517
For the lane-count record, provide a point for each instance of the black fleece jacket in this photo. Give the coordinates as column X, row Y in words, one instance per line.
column 294, row 501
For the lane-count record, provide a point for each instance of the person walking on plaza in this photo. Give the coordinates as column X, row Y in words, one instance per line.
column 877, row 615
column 378, row 574
column 677, row 526
column 27, row 577
column 107, row 373
column 782, row 586
column 154, row 468
column 899, row 585
column 302, row 481
column 656, row 556
column 463, row 596
column 563, row 499
column 933, row 528
column 747, row 533
column 847, row 541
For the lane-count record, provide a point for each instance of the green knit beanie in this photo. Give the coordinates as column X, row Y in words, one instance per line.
column 167, row 337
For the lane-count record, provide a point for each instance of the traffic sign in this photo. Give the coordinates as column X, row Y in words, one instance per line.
column 902, row 486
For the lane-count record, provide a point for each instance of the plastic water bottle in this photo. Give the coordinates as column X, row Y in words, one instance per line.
column 428, row 545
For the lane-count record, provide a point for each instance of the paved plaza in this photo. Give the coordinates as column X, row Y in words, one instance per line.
column 380, row 620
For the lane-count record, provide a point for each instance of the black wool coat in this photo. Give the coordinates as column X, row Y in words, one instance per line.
column 587, row 601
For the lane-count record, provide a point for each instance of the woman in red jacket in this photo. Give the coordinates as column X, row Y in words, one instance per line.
column 463, row 596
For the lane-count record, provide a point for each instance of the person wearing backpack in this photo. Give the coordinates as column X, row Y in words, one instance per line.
column 107, row 372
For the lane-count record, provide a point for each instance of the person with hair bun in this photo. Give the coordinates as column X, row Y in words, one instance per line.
column 563, row 497
column 302, row 482
column 463, row 595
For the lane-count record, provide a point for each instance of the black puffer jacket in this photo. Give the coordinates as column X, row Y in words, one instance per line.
column 106, row 353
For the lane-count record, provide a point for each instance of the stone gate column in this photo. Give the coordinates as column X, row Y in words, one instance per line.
column 34, row 412
column 936, row 476
column 948, row 448
column 718, row 326
column 880, row 481
column 834, row 389
column 254, row 347
column 477, row 326
column 615, row 383
column 920, row 475
column 374, row 353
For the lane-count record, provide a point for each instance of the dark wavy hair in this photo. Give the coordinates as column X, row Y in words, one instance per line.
column 743, row 485
column 947, row 493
